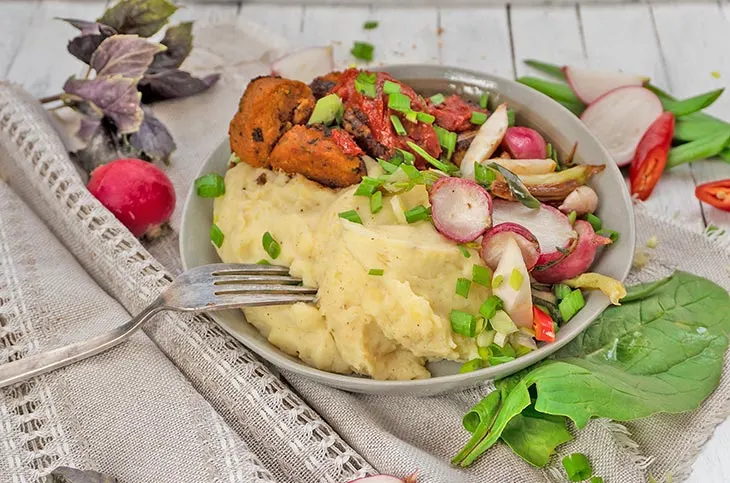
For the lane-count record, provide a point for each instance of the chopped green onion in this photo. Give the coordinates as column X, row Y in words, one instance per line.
column 271, row 246
column 425, row 117
column 411, row 171
column 484, row 100
column 572, row 217
column 418, row 213
column 351, row 215
column 490, row 307
column 363, row 51
column 412, row 116
column 440, row 165
column 263, row 261
column 521, row 350
column 510, row 117
column 447, row 140
column 549, row 151
column 377, row 272
column 571, row 304
column 403, row 156
column 561, row 291
column 500, row 340
column 370, row 24
column 397, row 125
column 464, row 252
column 216, row 235
column 462, row 287
column 471, row 365
column 481, row 275
column 368, row 186
column 387, row 166
column 497, row 360
column 502, row 323
column 497, row 281
column 210, row 186
column 437, row 99
column 577, row 466
column 596, row 479
column 365, row 84
column 595, row 222
column 325, row 111
column 399, row 102
column 499, row 350
column 234, row 159
column 390, row 87
column 478, row 118
column 484, row 339
column 613, row 235
column 515, row 279
column 483, row 175
column 376, row 202
column 463, row 323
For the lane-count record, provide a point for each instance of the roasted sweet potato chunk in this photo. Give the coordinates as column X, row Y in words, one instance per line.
column 317, row 153
column 268, row 108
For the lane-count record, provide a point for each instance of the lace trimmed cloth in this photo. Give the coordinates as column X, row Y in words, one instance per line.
column 184, row 401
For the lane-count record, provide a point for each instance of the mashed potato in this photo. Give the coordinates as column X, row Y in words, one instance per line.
column 385, row 326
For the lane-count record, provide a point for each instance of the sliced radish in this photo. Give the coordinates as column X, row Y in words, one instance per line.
column 461, row 209
column 578, row 260
column 620, row 118
column 589, row 84
column 495, row 239
column 514, row 289
column 486, row 141
column 377, row 479
column 304, row 65
column 527, row 166
column 551, row 227
column 524, row 143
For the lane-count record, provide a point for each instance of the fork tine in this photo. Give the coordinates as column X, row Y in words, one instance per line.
column 248, row 269
column 256, row 300
column 265, row 289
column 258, row 279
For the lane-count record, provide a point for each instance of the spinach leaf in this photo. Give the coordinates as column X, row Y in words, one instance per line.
column 534, row 435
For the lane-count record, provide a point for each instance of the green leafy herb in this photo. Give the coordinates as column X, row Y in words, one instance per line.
column 376, row 202
column 210, row 186
column 478, row 118
column 462, row 287
column 377, row 272
column 596, row 479
column 702, row 148
column 437, row 99
column 325, row 111
column 481, row 275
column 484, row 100
column 370, row 24
column 365, row 84
column 483, row 175
column 595, row 222
column 271, row 246
column 397, row 125
column 418, row 213
column 577, row 466
column 140, row 17
column 484, row 410
column 216, row 235
column 263, row 261
column 516, row 187
column 363, row 51
column 571, row 304
column 534, row 435
column 351, row 215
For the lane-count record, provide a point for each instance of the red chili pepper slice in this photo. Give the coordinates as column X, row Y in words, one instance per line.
column 716, row 193
column 542, row 323
column 651, row 156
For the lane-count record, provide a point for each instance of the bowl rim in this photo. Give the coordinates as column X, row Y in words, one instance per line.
column 359, row 383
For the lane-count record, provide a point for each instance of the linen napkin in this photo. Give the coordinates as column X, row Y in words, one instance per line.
column 349, row 434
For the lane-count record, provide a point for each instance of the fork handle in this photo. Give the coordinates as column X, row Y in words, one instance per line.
column 35, row 365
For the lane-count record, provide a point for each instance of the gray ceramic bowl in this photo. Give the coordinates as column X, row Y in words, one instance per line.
column 532, row 109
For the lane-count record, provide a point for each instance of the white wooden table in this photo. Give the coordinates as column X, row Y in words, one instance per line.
column 678, row 45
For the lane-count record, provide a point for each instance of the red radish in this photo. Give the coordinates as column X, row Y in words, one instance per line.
column 582, row 200
column 486, row 141
column 620, row 118
column 495, row 238
column 461, row 209
column 524, row 143
column 138, row 193
column 589, row 84
column 551, row 227
column 578, row 260
column 304, row 65
column 514, row 290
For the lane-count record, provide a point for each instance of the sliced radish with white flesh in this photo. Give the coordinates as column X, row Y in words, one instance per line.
column 524, row 143
column 377, row 479
column 620, row 118
column 551, row 227
column 578, row 260
column 527, row 166
column 514, row 289
column 495, row 239
column 486, row 141
column 460, row 208
column 304, row 65
column 590, row 84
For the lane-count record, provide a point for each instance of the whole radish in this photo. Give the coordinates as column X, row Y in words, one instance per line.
column 138, row 193
column 524, row 143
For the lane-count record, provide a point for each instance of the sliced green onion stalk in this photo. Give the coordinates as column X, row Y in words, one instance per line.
column 403, row 156
column 263, row 261
column 210, row 186
column 376, row 272
column 425, row 117
column 370, row 24
column 387, row 166
column 490, row 307
column 399, row 102
column 561, row 290
column 612, row 234
column 572, row 216
column 365, row 84
column 595, row 222
column 418, row 213
column 440, row 165
column 464, row 251
column 481, row 275
column 437, row 99
column 390, row 87
column 412, row 116
column 351, row 215
column 577, row 467
column 397, row 125
column 271, row 246
column 462, row 287
column 363, row 51
column 368, row 186
column 471, row 365
column 478, row 118
column 484, row 100
column 463, row 323
column 325, row 111
column 703, row 148
column 216, row 235
column 497, row 360
column 502, row 323
column 510, row 117
column 552, row 70
column 376, row 202
column 516, row 187
column 411, row 171
column 692, row 104
column 497, row 281
column 447, row 140
column 549, row 151
column 515, row 279
column 483, row 175
column 554, row 90
column 484, row 339
column 571, row 304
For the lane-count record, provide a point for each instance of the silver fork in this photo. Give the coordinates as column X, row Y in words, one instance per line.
column 202, row 289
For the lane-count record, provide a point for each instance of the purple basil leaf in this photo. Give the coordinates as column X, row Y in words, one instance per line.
column 127, row 55
column 173, row 84
column 92, row 35
column 87, row 27
column 88, row 128
column 141, row 17
column 115, row 96
column 64, row 474
column 152, row 140
column 179, row 42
